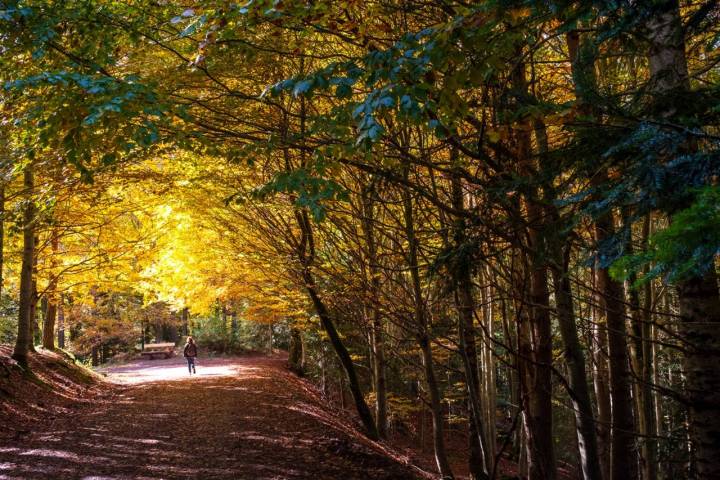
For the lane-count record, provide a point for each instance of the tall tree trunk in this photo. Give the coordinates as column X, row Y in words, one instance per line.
column 480, row 461
column 538, row 336
column 34, row 324
column 306, row 255
column 61, row 324
column 698, row 296
column 541, row 455
column 2, row 234
column 423, row 337
column 512, row 376
column 296, row 354
column 488, row 367
column 376, row 327
column 234, row 325
column 52, row 296
column 623, row 451
column 23, row 343
column 95, row 355
column 583, row 70
column 224, row 320
column 601, row 379
column 343, row 355
column 641, row 361
column 577, row 378
column 185, row 315
column 560, row 250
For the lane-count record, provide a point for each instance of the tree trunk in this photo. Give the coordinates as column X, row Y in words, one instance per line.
column 479, row 460
column 601, row 380
column 95, row 356
column 306, row 256
column 423, row 337
column 234, row 325
column 52, row 296
column 700, row 326
column 512, row 376
column 61, row 324
column 2, row 234
column 641, row 361
column 698, row 296
column 489, row 369
column 34, row 324
column 223, row 319
column 623, row 452
column 185, row 321
column 295, row 354
column 560, row 250
column 376, row 327
column 49, row 326
column 23, row 343
column 577, row 378
column 537, row 336
column 344, row 357
column 541, row 455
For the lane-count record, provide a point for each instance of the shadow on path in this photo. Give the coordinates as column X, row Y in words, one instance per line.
column 240, row 418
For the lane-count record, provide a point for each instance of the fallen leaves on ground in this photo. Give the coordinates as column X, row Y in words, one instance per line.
column 238, row 418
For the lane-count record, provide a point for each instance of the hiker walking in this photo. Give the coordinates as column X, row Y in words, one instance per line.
column 190, row 352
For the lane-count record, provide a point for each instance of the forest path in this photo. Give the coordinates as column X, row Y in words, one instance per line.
column 238, row 418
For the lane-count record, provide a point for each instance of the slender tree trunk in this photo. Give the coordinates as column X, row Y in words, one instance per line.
column 52, row 296
column 234, row 325
column 577, row 378
column 296, row 355
column 23, row 343
column 583, row 69
column 512, row 375
column 601, row 380
column 480, row 461
column 2, row 234
column 488, row 368
column 541, row 455
column 61, row 324
column 641, row 361
column 698, row 296
column 306, row 255
column 34, row 324
column 623, row 453
column 538, row 337
column 224, row 320
column 344, row 357
column 579, row 393
column 49, row 325
column 423, row 337
column 376, row 327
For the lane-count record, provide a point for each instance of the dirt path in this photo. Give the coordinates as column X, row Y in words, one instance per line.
column 242, row 418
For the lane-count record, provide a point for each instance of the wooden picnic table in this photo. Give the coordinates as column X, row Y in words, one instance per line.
column 165, row 350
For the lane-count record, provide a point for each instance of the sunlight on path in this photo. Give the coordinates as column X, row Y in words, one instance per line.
column 242, row 418
column 172, row 369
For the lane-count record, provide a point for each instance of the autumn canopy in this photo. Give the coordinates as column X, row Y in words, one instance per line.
column 500, row 217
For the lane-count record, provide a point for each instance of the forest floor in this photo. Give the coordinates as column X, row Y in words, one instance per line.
column 237, row 418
